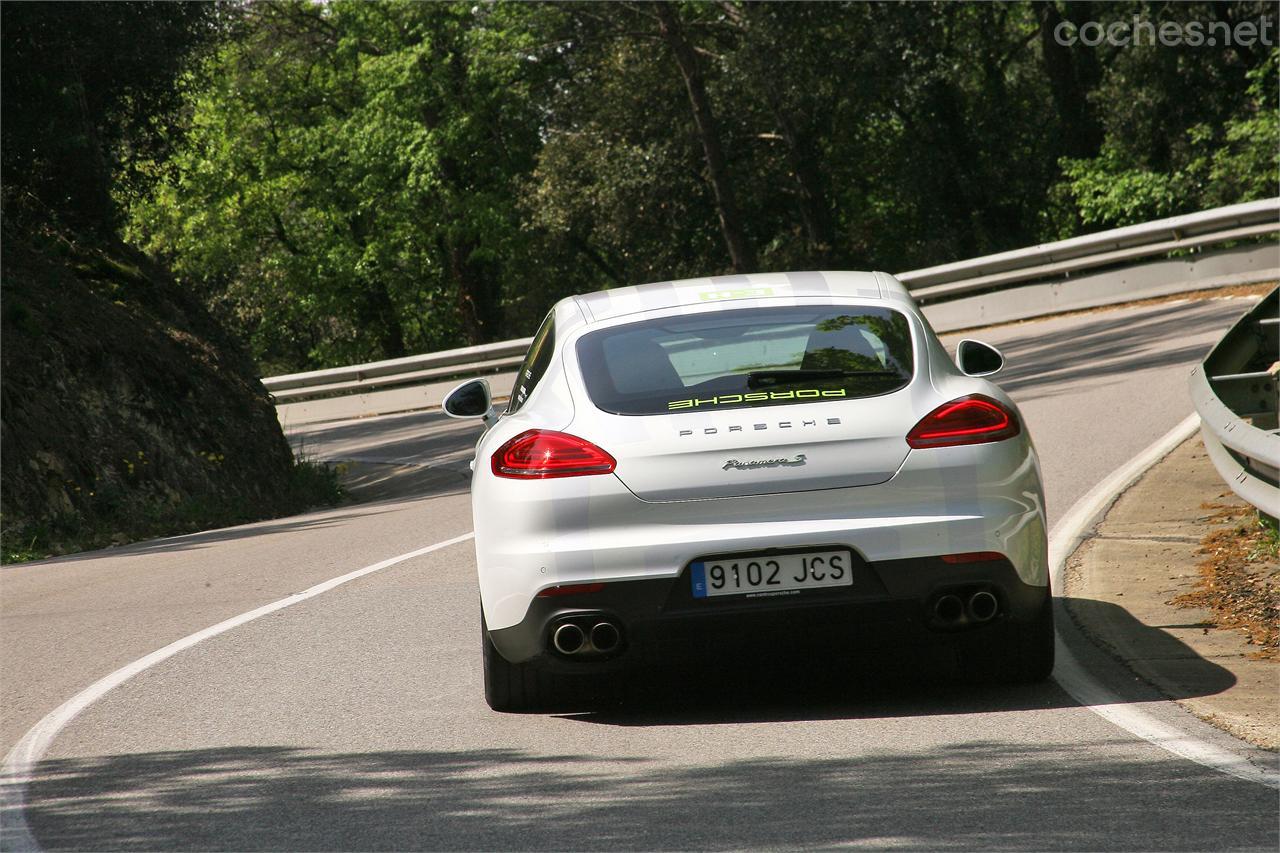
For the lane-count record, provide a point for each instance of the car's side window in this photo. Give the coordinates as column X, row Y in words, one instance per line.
column 536, row 362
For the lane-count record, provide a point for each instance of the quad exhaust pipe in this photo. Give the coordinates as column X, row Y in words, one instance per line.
column 570, row 639
column 983, row 606
column 955, row 609
column 948, row 609
column 605, row 637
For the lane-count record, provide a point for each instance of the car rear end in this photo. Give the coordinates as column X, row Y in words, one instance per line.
column 807, row 472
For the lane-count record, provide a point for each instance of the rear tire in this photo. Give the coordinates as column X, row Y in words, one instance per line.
column 517, row 688
column 1034, row 645
column 512, row 687
column 1012, row 653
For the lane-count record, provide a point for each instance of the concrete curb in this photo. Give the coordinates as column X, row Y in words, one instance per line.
column 1137, row 558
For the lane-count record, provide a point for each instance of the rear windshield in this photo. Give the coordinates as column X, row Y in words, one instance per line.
column 746, row 358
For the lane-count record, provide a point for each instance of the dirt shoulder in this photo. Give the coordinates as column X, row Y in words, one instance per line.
column 1125, row 585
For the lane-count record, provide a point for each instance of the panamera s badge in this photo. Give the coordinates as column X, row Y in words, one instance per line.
column 764, row 463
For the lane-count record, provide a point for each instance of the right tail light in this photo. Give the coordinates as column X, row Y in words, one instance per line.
column 975, row 419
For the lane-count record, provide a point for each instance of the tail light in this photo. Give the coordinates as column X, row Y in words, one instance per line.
column 541, row 454
column 975, row 419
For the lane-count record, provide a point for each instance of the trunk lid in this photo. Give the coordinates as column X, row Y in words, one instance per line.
column 769, row 450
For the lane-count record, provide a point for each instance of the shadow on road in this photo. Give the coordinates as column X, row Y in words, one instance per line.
column 978, row 794
column 775, row 694
column 1181, row 671
column 1108, row 346
column 644, row 791
column 399, row 457
column 368, row 482
column 901, row 682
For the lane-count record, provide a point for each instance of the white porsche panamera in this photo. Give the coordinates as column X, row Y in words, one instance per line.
column 785, row 462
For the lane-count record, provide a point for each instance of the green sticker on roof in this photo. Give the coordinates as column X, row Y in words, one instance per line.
column 744, row 293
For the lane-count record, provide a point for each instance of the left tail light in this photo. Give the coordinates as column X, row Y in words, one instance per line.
column 975, row 419
column 542, row 454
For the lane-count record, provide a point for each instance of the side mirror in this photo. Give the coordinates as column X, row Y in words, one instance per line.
column 978, row 359
column 471, row 399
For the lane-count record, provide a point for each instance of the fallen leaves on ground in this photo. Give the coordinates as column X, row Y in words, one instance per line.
column 1239, row 581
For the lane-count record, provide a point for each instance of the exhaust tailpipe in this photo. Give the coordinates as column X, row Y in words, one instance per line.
column 605, row 637
column 948, row 608
column 568, row 639
column 983, row 606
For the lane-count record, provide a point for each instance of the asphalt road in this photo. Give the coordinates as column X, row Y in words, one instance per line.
column 355, row 719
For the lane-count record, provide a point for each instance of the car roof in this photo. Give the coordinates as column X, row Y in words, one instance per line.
column 607, row 304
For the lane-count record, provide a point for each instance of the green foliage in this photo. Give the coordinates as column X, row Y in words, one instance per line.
column 20, row 546
column 1108, row 191
column 314, row 484
column 1268, row 546
column 1203, row 165
column 345, row 191
column 355, row 181
column 1247, row 165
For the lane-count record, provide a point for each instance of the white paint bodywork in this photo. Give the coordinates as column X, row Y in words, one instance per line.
column 671, row 500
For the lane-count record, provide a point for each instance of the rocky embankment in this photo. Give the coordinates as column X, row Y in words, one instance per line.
column 125, row 410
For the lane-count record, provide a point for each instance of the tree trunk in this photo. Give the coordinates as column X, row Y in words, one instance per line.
column 814, row 215
column 381, row 312
column 1072, row 72
column 589, row 252
column 741, row 254
column 802, row 157
column 477, row 294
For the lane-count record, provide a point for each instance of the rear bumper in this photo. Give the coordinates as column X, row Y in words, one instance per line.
column 531, row 536
column 891, row 603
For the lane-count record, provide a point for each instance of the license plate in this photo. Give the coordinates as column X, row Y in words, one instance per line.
column 765, row 574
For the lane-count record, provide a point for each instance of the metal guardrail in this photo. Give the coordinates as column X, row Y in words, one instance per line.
column 992, row 272
column 1118, row 246
column 410, row 370
column 1236, row 393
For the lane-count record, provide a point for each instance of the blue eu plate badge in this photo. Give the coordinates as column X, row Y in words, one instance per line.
column 699, row 573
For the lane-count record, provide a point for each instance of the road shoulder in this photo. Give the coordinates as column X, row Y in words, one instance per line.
column 1142, row 555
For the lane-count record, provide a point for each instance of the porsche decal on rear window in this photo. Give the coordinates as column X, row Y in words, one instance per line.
column 756, row 397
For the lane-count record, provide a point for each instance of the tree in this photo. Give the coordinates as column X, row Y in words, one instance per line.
column 125, row 411
column 741, row 255
column 361, row 180
column 1185, row 127
column 1238, row 161
column 765, row 32
column 86, row 88
column 345, row 187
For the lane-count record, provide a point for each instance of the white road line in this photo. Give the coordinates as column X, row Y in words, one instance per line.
column 21, row 761
column 1075, row 679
